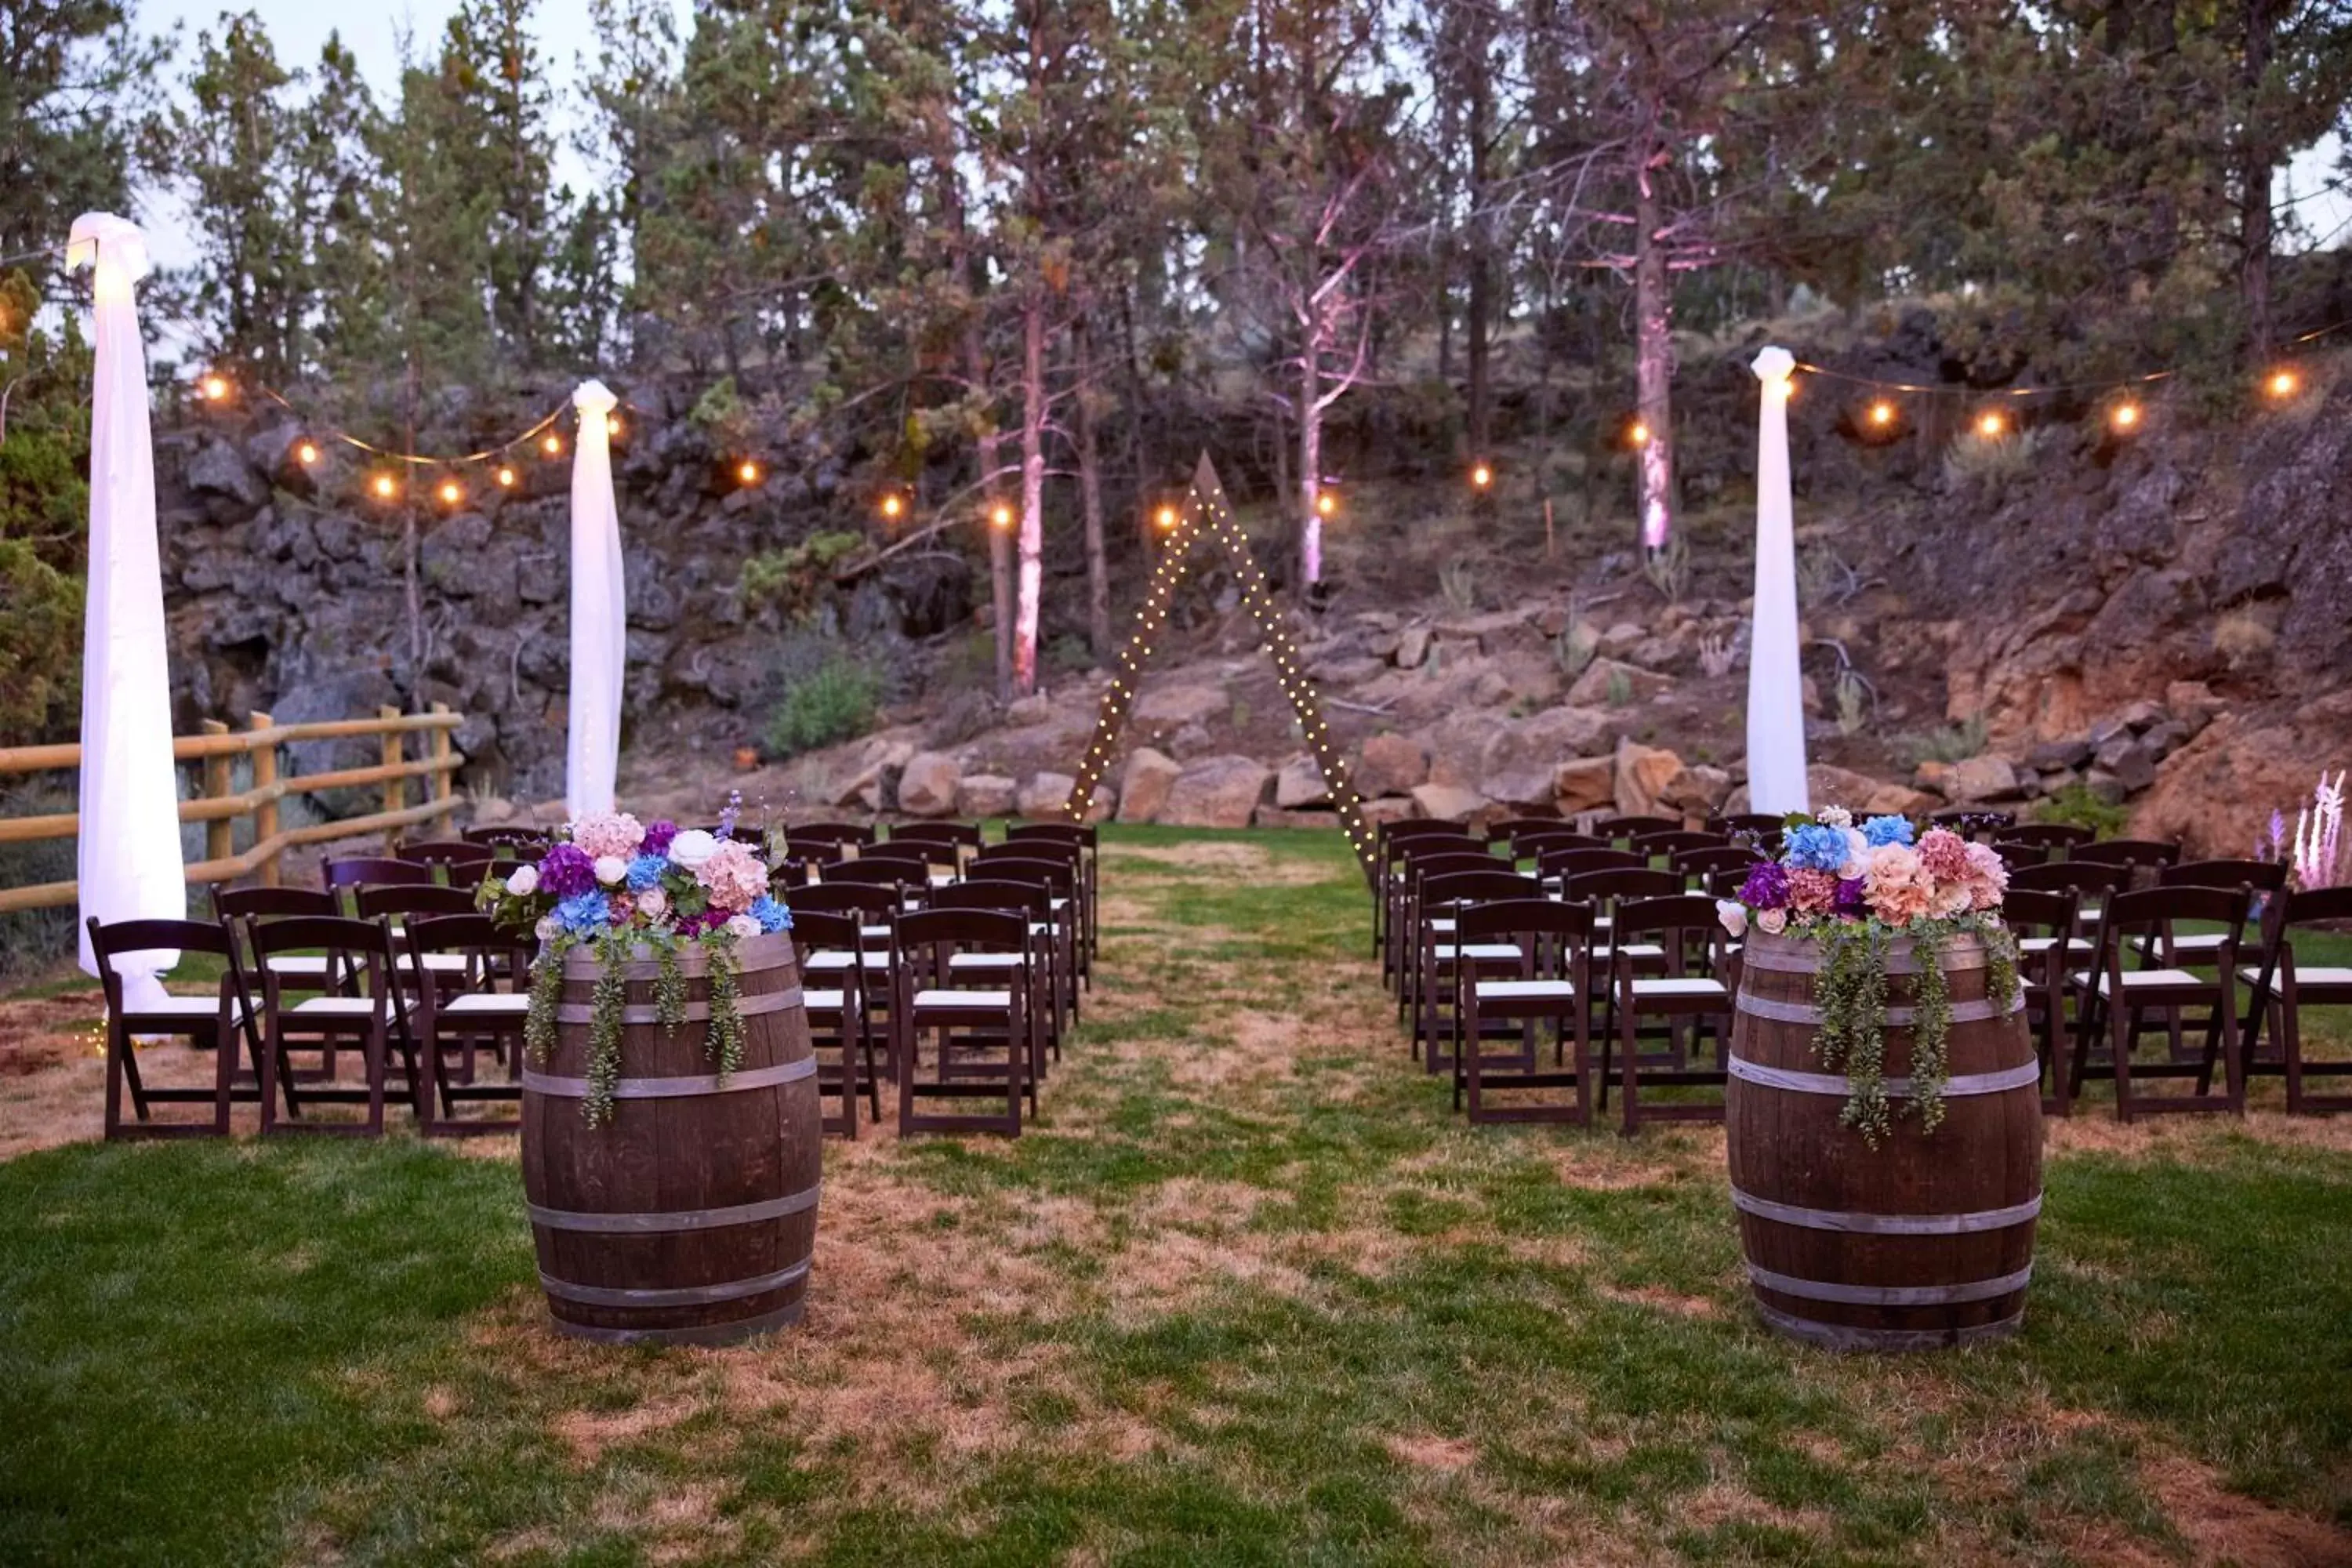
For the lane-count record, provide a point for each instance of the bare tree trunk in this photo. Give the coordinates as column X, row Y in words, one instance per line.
column 1032, row 493
column 1000, row 547
column 1090, row 503
column 1310, row 446
column 1480, row 309
column 1654, row 362
column 2254, row 165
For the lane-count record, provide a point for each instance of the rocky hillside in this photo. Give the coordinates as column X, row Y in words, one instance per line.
column 2161, row 623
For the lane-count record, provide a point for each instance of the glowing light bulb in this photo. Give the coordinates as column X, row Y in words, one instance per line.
column 892, row 506
column 384, row 487
column 748, row 472
column 1481, row 477
column 1001, row 516
column 2283, row 383
column 307, row 454
column 1326, row 504
column 1166, row 518
column 451, row 492
column 213, row 388
column 2124, row 417
column 552, row 445
column 612, row 426
column 1882, row 413
column 506, row 479
column 1991, row 426
column 1638, row 435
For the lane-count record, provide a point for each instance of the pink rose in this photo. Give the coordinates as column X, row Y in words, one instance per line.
column 602, row 832
column 1945, row 854
column 1987, row 876
column 1897, row 884
column 1812, row 892
column 734, row 875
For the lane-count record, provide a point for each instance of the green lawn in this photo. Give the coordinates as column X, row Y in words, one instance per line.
column 1250, row 1293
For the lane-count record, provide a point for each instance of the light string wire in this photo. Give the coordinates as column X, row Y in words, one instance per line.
column 317, row 428
column 1980, row 393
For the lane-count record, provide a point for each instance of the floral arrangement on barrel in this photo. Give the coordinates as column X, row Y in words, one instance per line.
column 1856, row 890
column 611, row 885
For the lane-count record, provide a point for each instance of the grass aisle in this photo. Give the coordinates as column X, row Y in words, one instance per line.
column 1249, row 1294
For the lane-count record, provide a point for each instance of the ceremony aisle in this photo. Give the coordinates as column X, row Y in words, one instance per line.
column 1248, row 1291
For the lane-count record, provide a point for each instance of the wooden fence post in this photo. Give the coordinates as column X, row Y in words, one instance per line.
column 220, row 832
column 265, row 815
column 395, row 788
column 445, row 776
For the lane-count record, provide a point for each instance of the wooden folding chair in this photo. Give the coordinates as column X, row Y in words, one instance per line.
column 1766, row 827
column 1019, row 889
column 1423, row 857
column 2143, row 857
column 1974, row 821
column 838, row 1019
column 1532, row 844
column 463, row 864
column 971, row 1027
column 2046, row 836
column 2047, row 947
column 1556, row 866
column 534, row 840
column 453, row 963
column 1696, row 865
column 373, row 1019
column 1552, row 984
column 1697, row 986
column 348, row 876
column 845, row 839
column 875, row 908
column 1626, row 829
column 1389, row 840
column 2140, row 924
column 2283, row 987
column 1604, row 886
column 1073, row 905
column 964, row 837
column 222, row 1023
column 1508, row 830
column 1442, row 960
column 1666, row 844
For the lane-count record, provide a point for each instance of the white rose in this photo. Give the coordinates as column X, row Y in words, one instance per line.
column 545, row 929
column 1733, row 914
column 1838, row 816
column 1773, row 922
column 691, row 849
column 612, row 870
column 653, row 903
column 740, row 926
column 524, row 882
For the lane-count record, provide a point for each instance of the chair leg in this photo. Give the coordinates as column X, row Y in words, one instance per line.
column 2120, row 1021
column 1628, row 1021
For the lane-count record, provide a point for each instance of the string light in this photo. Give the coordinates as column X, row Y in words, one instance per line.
column 1882, row 413
column 452, row 492
column 892, row 506
column 1167, row 518
column 215, row 388
column 1481, row 477
column 612, row 426
column 1326, row 504
column 2283, row 385
column 307, row 454
column 748, row 472
column 552, row 446
column 506, row 479
column 1001, row 516
column 1637, row 434
column 2123, row 418
column 1990, row 425
column 386, row 486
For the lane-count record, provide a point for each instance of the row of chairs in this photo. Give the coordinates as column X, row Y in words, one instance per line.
column 1613, row 931
column 941, row 933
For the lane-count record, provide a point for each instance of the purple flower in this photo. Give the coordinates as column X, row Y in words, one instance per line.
column 566, row 870
column 726, row 817
column 658, row 837
column 1849, row 896
column 1767, row 887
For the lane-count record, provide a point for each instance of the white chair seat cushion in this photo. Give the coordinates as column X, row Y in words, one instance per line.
column 2136, row 979
column 875, row 933
column 2199, row 942
column 1604, row 953
column 445, row 962
column 2305, row 974
column 1441, row 926
column 983, row 960
column 488, row 1004
column 1480, row 951
column 298, row 962
column 337, row 1006
column 1526, row 990
column 824, row 1000
column 828, row 962
column 2040, row 944
column 951, row 999
column 1680, row 985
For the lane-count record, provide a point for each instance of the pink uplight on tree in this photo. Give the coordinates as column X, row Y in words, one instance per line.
column 2315, row 857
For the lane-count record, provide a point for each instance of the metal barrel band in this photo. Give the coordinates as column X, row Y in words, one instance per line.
column 1981, row 1010
column 558, row 1088
column 1846, row 1295
column 1899, row 960
column 673, row 1295
column 1846, row 1337
column 710, row 1334
column 1857, row 1224
column 643, row 1224
column 696, row 1012
column 752, row 954
column 2023, row 1076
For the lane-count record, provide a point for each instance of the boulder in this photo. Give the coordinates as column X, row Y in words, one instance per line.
column 1457, row 746
column 1390, row 764
column 1217, row 792
column 2191, row 705
column 1604, row 676
column 1642, row 774
column 1143, row 787
column 1174, row 707
column 1389, row 808
column 1347, row 670
column 2104, row 787
column 980, row 795
column 1697, row 790
column 1826, row 784
column 1584, row 784
column 1519, row 763
column 352, row 694
column 867, row 786
column 1933, row 775
column 219, row 472
column 1044, row 795
column 1445, row 803
column 2052, row 755
column 1300, row 784
column 926, row 787
column 1190, row 741
column 1620, row 639
column 1983, row 778
column 2132, row 763
column 1413, row 647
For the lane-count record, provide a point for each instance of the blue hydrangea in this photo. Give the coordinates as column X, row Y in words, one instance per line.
column 1881, row 831
column 583, row 914
column 1816, row 847
column 646, row 872
column 771, row 915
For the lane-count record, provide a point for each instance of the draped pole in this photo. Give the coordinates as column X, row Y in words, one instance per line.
column 1776, row 701
column 128, row 857
column 599, row 612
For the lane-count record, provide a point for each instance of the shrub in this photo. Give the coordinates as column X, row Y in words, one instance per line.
column 835, row 703
column 793, row 579
column 1972, row 455
column 2075, row 804
column 1954, row 743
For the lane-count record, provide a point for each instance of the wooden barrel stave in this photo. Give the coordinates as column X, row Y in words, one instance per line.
column 690, row 1217
column 1929, row 1235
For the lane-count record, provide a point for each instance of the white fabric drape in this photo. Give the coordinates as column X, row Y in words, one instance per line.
column 599, row 612
column 130, row 863
column 1776, row 697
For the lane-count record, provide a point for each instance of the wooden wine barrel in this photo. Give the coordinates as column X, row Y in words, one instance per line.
column 689, row 1216
column 1924, row 1241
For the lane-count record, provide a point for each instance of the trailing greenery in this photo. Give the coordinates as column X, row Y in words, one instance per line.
column 835, row 704
column 1850, row 990
column 724, row 1043
column 605, row 1028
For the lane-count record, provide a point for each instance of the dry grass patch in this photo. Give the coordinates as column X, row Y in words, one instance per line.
column 1240, row 858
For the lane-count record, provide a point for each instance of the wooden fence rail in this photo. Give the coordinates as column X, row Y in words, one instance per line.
column 220, row 807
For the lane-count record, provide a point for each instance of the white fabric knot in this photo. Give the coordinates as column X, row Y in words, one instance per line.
column 99, row 237
column 592, row 398
column 1774, row 365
